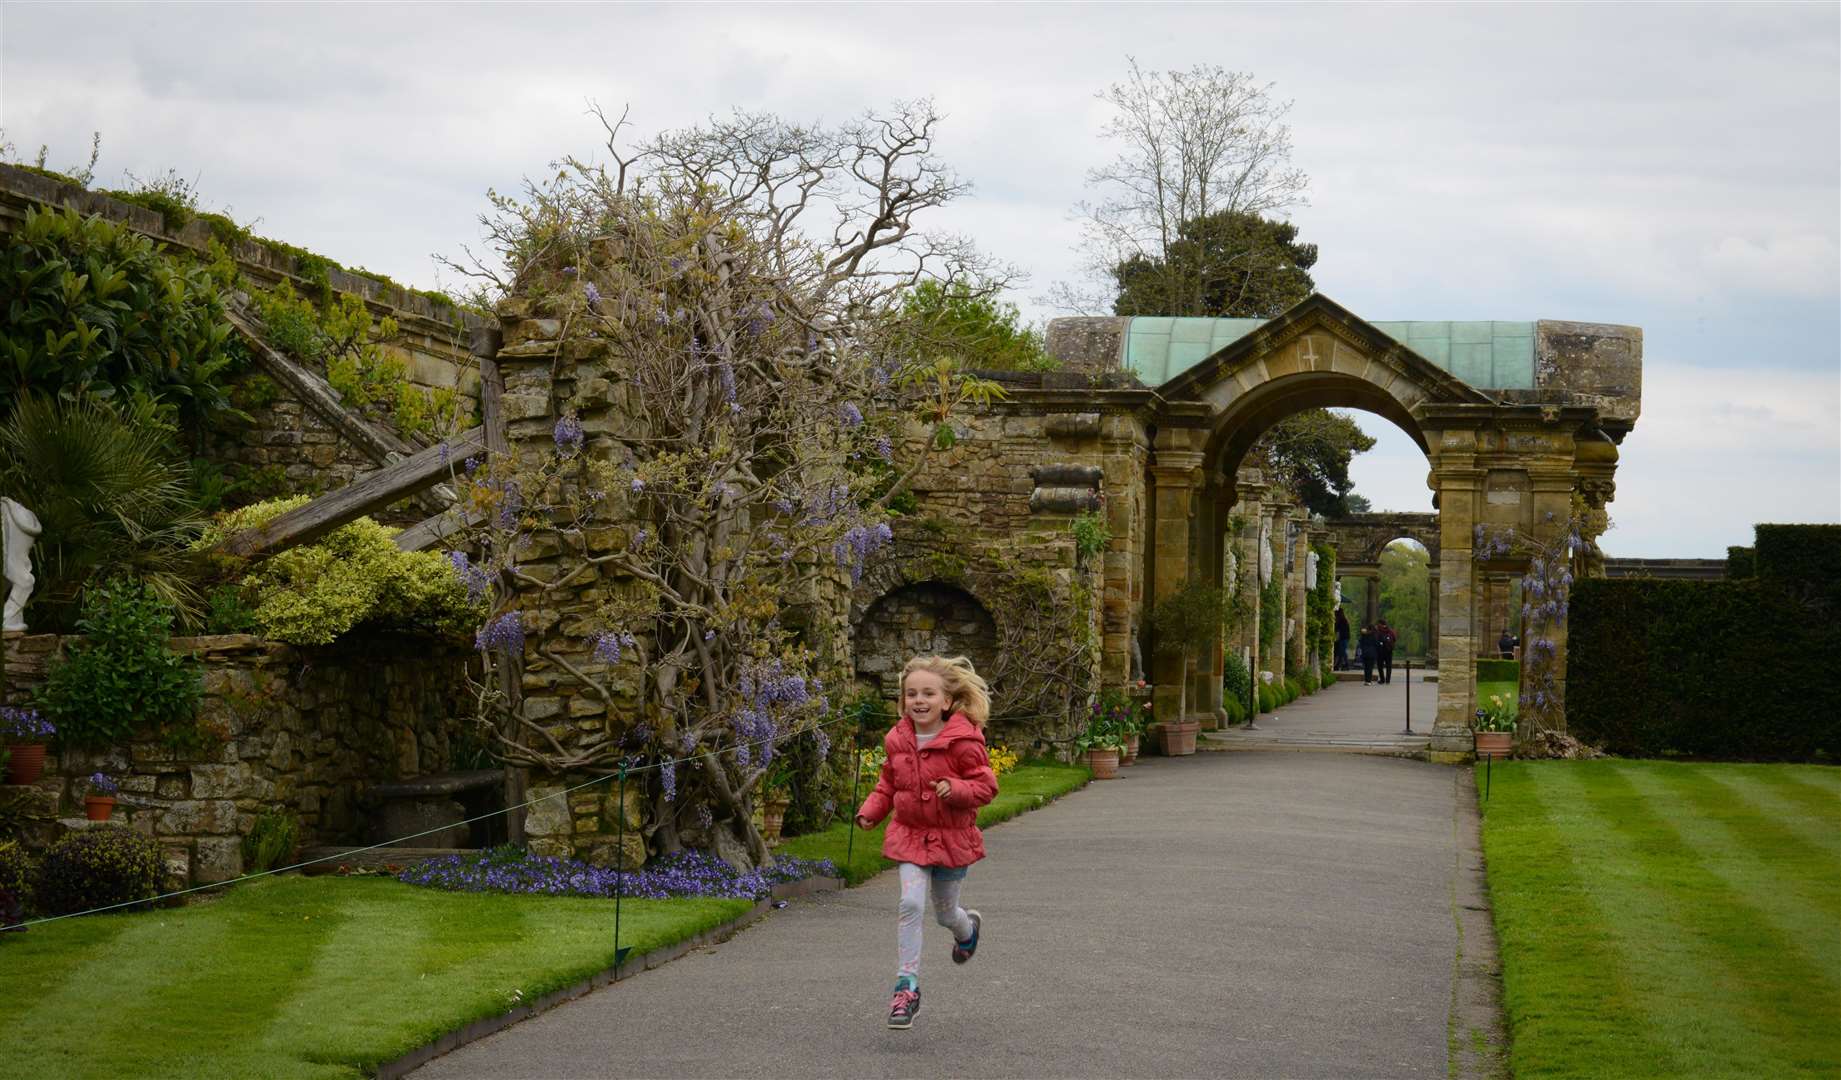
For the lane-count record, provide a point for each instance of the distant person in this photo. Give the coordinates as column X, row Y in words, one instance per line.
column 1506, row 644
column 1341, row 662
column 1384, row 639
column 1365, row 647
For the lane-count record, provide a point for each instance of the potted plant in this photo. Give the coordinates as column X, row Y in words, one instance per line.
column 1125, row 717
column 776, row 796
column 100, row 802
column 1184, row 621
column 1100, row 745
column 25, row 732
column 1495, row 727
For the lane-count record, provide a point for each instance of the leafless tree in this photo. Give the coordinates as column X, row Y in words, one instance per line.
column 1191, row 144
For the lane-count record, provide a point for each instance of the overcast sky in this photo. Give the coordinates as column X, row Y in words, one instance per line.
column 1676, row 168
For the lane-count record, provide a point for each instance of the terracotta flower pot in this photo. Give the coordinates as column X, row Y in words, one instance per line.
column 773, row 819
column 1495, row 743
column 27, row 763
column 99, row 807
column 1129, row 755
column 1179, row 737
column 1104, row 763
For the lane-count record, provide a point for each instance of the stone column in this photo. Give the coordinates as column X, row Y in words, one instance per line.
column 1297, row 596
column 1176, row 476
column 1431, row 611
column 1205, row 683
column 1371, row 600
column 1460, row 490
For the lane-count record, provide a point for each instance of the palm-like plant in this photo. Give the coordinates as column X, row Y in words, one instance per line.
column 111, row 498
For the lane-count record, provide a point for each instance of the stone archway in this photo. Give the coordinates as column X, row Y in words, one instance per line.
column 918, row 618
column 1512, row 457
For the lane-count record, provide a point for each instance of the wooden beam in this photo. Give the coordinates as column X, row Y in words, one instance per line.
column 380, row 446
column 485, row 346
column 428, row 532
column 372, row 491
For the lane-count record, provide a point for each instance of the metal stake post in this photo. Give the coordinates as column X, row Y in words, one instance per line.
column 856, row 784
column 620, row 874
column 1409, row 696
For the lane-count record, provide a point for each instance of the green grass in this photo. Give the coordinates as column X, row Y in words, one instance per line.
column 1667, row 919
column 1019, row 791
column 303, row 977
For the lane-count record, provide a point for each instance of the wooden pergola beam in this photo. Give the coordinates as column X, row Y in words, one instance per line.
column 368, row 493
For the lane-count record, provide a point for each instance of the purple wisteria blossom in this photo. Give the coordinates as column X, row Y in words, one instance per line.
column 760, row 321
column 593, row 294
column 686, row 874
column 639, row 485
column 568, row 434
column 474, row 576
column 850, row 414
column 858, row 543
column 668, row 778
column 505, row 632
column 884, row 448
column 607, row 646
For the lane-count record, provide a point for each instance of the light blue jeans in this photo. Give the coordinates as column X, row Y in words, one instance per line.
column 916, row 883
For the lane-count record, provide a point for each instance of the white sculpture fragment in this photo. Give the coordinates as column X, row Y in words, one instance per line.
column 18, row 528
column 1310, row 572
column 1265, row 552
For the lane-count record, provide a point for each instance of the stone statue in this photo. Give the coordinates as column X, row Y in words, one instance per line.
column 1265, row 552
column 1310, row 571
column 18, row 528
column 1137, row 658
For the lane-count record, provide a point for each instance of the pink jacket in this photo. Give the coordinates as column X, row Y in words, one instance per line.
column 927, row 829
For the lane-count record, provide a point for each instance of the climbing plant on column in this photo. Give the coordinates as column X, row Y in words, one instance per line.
column 716, row 474
column 1546, row 596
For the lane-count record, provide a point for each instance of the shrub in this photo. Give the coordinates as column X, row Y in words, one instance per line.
column 18, row 871
column 99, row 867
column 1234, row 677
column 312, row 594
column 123, row 681
column 1499, row 671
column 1800, row 553
column 1236, row 710
column 1657, row 666
column 97, row 308
column 271, row 840
column 110, row 493
column 685, row 874
column 1740, row 563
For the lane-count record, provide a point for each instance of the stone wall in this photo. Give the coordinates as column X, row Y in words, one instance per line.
column 301, row 729
column 927, row 617
column 287, row 449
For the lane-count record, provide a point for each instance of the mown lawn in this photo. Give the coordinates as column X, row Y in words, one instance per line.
column 1668, row 919
column 302, row 977
column 1018, row 791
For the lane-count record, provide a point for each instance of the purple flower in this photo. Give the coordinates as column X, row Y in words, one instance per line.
column 885, row 449
column 505, row 632
column 102, row 784
column 638, row 485
column 568, row 434
column 593, row 294
column 668, row 777
column 568, row 271
column 475, row 577
column 850, row 414
column 607, row 648
column 25, row 725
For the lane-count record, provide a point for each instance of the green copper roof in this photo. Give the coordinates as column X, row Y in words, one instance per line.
column 1487, row 355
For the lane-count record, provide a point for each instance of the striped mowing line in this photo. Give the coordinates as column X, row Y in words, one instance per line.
column 1792, row 884
column 1732, row 993
column 1550, row 931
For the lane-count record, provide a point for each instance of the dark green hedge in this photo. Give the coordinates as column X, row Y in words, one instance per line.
column 1741, row 563
column 1729, row 669
column 1499, row 671
column 1798, row 552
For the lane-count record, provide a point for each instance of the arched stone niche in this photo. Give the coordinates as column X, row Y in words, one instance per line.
column 918, row 618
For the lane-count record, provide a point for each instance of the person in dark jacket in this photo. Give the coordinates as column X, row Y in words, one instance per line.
column 1365, row 647
column 1341, row 663
column 1384, row 638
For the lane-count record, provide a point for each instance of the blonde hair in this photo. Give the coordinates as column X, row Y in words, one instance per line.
column 963, row 685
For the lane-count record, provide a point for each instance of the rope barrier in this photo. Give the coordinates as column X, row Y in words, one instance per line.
column 619, row 776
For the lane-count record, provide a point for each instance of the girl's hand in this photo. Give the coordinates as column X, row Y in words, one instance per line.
column 942, row 788
column 863, row 823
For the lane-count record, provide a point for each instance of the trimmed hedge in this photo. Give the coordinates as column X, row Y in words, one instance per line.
column 1741, row 563
column 1729, row 669
column 1499, row 671
column 1797, row 552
